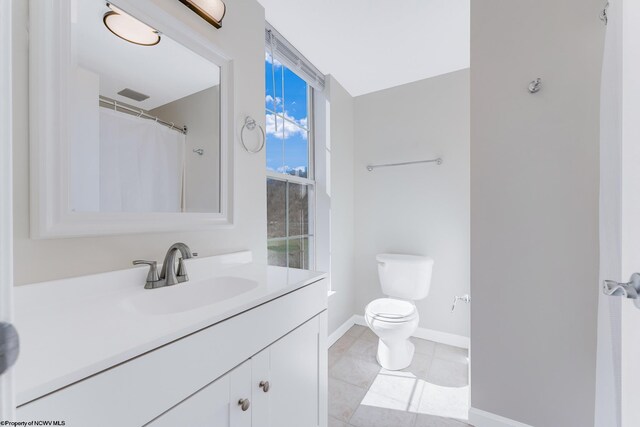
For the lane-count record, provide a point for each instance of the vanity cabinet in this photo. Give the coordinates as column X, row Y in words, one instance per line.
column 279, row 387
column 295, row 379
column 199, row 379
column 214, row 406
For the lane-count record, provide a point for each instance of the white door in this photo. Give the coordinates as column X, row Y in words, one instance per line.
column 289, row 386
column 620, row 198
column 295, row 378
column 224, row 403
column 630, row 316
column 6, row 229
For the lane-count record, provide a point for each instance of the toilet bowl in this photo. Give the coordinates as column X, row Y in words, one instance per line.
column 404, row 279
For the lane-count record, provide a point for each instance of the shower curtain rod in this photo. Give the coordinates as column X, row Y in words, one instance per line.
column 128, row 109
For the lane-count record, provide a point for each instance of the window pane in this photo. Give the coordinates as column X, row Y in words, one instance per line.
column 299, row 199
column 273, row 75
column 295, row 97
column 296, row 152
column 275, row 143
column 286, row 102
column 289, row 205
column 276, row 208
column 300, row 252
column 277, row 253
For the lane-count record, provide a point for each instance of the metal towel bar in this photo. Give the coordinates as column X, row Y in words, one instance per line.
column 437, row 161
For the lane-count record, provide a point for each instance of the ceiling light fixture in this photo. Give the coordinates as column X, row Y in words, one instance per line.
column 129, row 28
column 211, row 11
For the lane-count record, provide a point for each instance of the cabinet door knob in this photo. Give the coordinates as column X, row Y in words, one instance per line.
column 244, row 404
column 264, row 385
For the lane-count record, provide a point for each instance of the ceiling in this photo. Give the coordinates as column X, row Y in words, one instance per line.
column 370, row 45
column 166, row 72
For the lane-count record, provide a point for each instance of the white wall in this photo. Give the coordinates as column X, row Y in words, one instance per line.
column 200, row 113
column 242, row 36
column 340, row 152
column 534, row 209
column 418, row 209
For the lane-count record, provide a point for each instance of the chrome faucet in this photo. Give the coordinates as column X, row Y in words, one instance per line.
column 168, row 276
column 168, row 273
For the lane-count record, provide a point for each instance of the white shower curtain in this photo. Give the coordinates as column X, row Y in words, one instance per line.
column 141, row 164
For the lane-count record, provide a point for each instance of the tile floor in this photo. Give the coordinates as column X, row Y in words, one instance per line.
column 432, row 392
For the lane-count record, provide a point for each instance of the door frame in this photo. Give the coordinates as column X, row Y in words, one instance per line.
column 7, row 402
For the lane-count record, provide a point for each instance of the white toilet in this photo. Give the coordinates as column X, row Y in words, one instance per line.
column 404, row 279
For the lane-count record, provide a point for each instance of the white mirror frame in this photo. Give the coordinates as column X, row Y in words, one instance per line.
column 49, row 54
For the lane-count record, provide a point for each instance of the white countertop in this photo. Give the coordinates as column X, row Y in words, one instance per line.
column 73, row 328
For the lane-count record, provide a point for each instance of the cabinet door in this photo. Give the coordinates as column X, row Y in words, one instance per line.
column 216, row 405
column 295, row 377
column 261, row 391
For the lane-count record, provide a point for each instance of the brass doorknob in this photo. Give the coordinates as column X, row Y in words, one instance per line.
column 244, row 404
column 264, row 385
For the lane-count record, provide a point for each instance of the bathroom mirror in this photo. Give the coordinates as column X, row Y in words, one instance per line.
column 131, row 120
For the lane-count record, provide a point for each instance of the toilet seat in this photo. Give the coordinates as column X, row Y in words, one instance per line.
column 391, row 310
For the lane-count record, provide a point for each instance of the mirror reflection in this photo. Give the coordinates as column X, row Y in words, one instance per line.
column 145, row 134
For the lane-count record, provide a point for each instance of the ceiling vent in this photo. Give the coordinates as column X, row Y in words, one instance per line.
column 132, row 94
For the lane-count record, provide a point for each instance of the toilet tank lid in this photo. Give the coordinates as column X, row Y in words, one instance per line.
column 402, row 258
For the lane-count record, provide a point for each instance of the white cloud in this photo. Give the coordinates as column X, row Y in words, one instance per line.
column 298, row 170
column 290, row 129
column 268, row 58
column 269, row 100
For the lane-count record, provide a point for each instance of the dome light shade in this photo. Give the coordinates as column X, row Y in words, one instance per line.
column 211, row 11
column 129, row 28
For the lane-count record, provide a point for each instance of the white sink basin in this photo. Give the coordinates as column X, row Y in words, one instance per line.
column 188, row 296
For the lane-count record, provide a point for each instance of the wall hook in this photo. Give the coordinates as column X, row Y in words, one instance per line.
column 535, row 86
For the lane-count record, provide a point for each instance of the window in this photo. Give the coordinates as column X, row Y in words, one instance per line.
column 290, row 179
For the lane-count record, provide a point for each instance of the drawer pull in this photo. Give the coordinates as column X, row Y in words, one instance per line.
column 264, row 385
column 244, row 404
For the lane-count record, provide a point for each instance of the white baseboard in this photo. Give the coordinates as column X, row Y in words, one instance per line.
column 426, row 334
column 431, row 335
column 342, row 329
column 442, row 337
column 479, row 418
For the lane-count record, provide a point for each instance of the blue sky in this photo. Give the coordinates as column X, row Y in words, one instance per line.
column 287, row 148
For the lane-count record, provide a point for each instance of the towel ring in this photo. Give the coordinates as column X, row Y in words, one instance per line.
column 250, row 123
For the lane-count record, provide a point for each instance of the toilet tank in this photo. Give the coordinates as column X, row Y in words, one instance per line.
column 405, row 276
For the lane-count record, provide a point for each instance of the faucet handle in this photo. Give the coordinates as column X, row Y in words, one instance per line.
column 152, row 276
column 182, row 271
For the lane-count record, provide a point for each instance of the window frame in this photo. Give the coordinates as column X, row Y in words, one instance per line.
column 309, row 181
